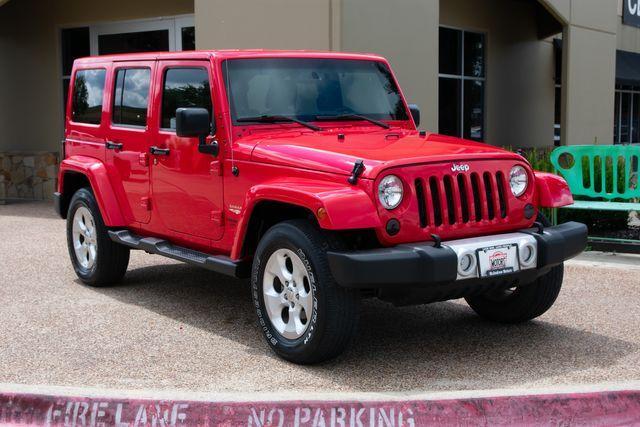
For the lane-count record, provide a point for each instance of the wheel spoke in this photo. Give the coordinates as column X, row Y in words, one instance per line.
column 299, row 273
column 282, row 264
column 92, row 254
column 291, row 328
column 306, row 301
column 275, row 271
column 295, row 321
column 82, row 225
column 273, row 302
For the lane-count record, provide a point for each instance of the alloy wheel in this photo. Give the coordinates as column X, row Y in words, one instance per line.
column 288, row 295
column 85, row 244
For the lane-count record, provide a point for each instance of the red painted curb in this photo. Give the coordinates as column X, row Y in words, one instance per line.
column 589, row 409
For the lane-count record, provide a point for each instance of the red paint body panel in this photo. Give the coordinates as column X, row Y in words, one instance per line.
column 187, row 190
column 194, row 200
column 96, row 172
column 347, row 207
column 553, row 191
column 323, row 151
column 126, row 170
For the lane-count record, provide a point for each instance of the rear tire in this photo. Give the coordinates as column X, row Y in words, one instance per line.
column 96, row 259
column 305, row 316
column 523, row 303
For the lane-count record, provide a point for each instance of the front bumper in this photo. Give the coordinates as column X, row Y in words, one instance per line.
column 422, row 265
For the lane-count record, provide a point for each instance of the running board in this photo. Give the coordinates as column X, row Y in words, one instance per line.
column 218, row 263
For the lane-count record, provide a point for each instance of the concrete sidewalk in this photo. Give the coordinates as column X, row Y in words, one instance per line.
column 174, row 327
column 607, row 259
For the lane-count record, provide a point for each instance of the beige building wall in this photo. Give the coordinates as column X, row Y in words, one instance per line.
column 589, row 72
column 520, row 87
column 272, row 24
column 31, row 116
column 405, row 32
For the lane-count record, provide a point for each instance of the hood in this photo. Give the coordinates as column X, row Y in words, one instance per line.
column 327, row 152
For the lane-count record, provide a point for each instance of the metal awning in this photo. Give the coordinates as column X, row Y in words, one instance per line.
column 627, row 68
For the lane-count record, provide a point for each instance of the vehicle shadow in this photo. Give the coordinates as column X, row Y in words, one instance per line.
column 438, row 346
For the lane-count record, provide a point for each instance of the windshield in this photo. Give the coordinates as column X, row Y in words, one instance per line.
column 311, row 89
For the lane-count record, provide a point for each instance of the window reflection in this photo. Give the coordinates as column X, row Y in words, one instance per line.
column 88, row 90
column 131, row 97
column 184, row 87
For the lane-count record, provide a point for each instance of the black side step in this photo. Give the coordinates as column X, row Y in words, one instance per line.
column 217, row 263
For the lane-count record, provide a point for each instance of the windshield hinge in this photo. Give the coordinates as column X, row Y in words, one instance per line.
column 358, row 168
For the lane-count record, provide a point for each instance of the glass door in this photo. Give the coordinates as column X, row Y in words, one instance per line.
column 149, row 35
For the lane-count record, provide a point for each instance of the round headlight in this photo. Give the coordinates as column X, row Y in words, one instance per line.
column 390, row 191
column 518, row 180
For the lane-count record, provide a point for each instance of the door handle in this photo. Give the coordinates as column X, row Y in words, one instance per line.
column 159, row 151
column 113, row 145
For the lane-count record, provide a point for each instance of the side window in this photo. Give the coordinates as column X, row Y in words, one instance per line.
column 88, row 89
column 184, row 87
column 131, row 97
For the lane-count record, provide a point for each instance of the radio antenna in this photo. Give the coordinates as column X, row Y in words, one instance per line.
column 234, row 169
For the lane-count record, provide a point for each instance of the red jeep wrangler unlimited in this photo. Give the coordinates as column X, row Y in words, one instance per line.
column 304, row 172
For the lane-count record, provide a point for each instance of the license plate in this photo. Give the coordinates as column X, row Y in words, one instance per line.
column 498, row 260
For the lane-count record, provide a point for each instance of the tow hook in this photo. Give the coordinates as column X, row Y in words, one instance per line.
column 358, row 168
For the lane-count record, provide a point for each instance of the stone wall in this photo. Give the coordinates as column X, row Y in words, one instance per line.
column 28, row 176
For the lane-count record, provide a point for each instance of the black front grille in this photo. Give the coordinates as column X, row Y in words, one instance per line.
column 462, row 198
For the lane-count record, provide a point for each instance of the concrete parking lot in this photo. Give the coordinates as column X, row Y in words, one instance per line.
column 172, row 326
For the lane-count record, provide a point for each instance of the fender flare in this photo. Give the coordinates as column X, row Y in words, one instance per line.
column 344, row 207
column 97, row 174
column 552, row 190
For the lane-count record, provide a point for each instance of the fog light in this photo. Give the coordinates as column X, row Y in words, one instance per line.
column 527, row 253
column 466, row 264
column 393, row 227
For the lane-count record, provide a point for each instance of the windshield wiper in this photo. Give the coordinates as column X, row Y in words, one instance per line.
column 276, row 119
column 354, row 117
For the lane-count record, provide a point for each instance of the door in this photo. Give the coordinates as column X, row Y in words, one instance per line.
column 146, row 35
column 129, row 137
column 186, row 184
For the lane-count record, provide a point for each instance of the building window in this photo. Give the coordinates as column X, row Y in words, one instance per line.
column 168, row 33
column 557, row 116
column 626, row 124
column 188, row 38
column 88, row 90
column 140, row 41
column 131, row 97
column 75, row 44
column 462, row 83
column 184, row 87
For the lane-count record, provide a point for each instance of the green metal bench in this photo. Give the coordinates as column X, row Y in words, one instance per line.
column 607, row 173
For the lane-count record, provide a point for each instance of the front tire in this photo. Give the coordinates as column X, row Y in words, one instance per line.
column 523, row 303
column 96, row 259
column 305, row 316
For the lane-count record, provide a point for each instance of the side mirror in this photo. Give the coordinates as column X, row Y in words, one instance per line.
column 415, row 113
column 192, row 122
column 195, row 122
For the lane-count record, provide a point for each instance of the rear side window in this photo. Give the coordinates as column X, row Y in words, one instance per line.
column 184, row 87
column 131, row 97
column 88, row 89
